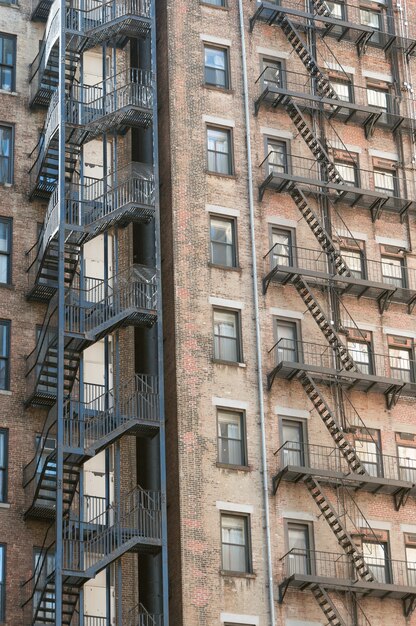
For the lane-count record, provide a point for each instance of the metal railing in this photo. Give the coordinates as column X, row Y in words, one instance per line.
column 305, row 88
column 320, row 564
column 139, row 616
column 137, row 518
column 289, row 351
column 364, row 180
column 331, row 460
column 384, row 273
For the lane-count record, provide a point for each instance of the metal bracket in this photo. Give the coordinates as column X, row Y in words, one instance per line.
column 282, row 591
column 392, row 395
column 409, row 605
column 384, row 300
column 400, row 498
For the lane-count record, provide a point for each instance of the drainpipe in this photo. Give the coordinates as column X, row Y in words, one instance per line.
column 257, row 318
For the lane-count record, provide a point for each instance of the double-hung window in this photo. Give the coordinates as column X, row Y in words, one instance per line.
column 227, row 335
column 348, row 171
column 235, row 543
column 4, row 354
column 369, row 455
column 5, row 249
column 411, row 562
column 360, row 352
column 299, row 544
column 385, row 181
column 393, row 271
column 231, row 438
column 277, row 157
column 337, row 9
column 7, row 62
column 6, row 154
column 342, row 88
column 287, row 344
column 400, row 357
column 272, row 73
column 293, row 435
column 216, row 67
column 407, row 463
column 376, row 556
column 223, row 241
column 378, row 98
column 354, row 260
column 219, row 150
column 282, row 253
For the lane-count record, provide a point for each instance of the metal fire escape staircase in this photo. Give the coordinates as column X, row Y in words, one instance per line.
column 131, row 525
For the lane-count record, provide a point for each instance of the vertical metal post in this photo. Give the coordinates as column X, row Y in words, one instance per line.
column 162, row 441
column 61, row 321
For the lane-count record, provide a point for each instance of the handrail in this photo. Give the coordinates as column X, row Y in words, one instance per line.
column 38, row 568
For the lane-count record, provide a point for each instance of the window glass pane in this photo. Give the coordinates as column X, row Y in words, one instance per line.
column 384, row 180
column 219, row 156
column 272, row 73
column 348, row 172
column 299, row 559
column 4, row 236
column 392, row 270
column 360, row 353
column 222, row 242
column 293, row 452
column 342, row 90
column 400, row 365
column 370, row 18
column 217, row 3
column 226, row 336
column 336, row 9
column 367, row 453
column 277, row 158
column 377, row 98
column 375, row 556
column 234, row 549
column 287, row 344
column 407, row 463
column 5, row 154
column 3, row 440
column 353, row 259
column 4, row 344
column 7, row 56
column 216, row 67
column 282, row 247
column 230, row 434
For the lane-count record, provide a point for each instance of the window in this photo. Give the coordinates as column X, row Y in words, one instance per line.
column 400, row 359
column 4, row 354
column 5, row 249
column 368, row 454
column 2, row 582
column 281, row 247
column 4, row 441
column 6, row 154
column 378, row 98
column 393, row 271
column 370, row 18
column 44, row 564
column 337, row 9
column 293, row 439
column 272, row 73
column 216, row 67
column 277, row 157
column 348, row 171
column 235, row 543
column 215, row 3
column 231, row 438
column 287, row 344
column 342, row 88
column 223, row 241
column 354, row 260
column 299, row 546
column 360, row 352
column 385, row 181
column 411, row 562
column 219, row 150
column 376, row 556
column 407, row 463
column 227, row 335
column 7, row 62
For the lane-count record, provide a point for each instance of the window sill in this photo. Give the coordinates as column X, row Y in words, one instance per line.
column 227, row 574
column 214, row 6
column 4, row 92
column 5, row 392
column 229, row 176
column 234, row 468
column 11, row 6
column 225, row 90
column 232, row 363
column 6, row 184
column 5, row 505
column 6, row 286
column 224, row 267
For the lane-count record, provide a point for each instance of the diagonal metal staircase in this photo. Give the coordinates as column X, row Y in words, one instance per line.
column 327, row 606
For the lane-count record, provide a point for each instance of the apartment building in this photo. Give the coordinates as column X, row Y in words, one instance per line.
column 287, row 144
column 82, row 496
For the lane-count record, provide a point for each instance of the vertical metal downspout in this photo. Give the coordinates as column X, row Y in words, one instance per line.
column 257, row 318
column 61, row 322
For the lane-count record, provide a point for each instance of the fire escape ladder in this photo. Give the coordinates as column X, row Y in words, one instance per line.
column 323, row 84
column 338, row 528
column 329, row 419
column 324, row 324
column 319, row 231
column 313, row 143
column 328, row 607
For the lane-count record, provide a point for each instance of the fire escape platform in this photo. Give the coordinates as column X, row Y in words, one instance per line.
column 353, row 196
column 303, row 582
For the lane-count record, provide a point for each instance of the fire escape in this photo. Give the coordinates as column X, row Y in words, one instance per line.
column 333, row 474
column 88, row 534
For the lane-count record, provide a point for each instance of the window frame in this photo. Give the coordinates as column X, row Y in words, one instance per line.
column 387, row 558
column 284, row 142
column 354, row 165
column 9, row 254
column 10, row 181
column 233, row 220
column 13, row 38
column 308, row 525
column 296, row 323
column 243, row 444
column 7, row 358
column 248, row 546
column 384, row 257
column 403, row 468
column 239, row 335
column 223, row 7
column 395, row 192
column 344, row 11
column 370, row 352
column 337, row 80
column 303, row 424
column 3, row 574
column 264, row 62
column 347, row 249
column 229, row 131
column 227, row 66
column 274, row 228
column 5, row 469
